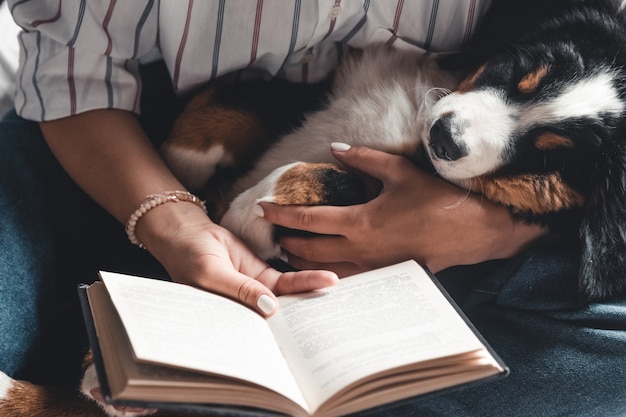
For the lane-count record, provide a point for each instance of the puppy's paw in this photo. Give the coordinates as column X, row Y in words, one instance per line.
column 299, row 183
column 90, row 388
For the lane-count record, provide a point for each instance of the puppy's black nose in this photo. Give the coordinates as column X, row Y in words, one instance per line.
column 442, row 143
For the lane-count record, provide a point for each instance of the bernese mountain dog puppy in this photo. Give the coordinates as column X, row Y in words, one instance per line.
column 537, row 124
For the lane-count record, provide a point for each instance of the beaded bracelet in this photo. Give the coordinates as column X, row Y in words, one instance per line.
column 153, row 201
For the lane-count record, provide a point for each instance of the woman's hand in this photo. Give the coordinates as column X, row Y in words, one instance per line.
column 198, row 252
column 107, row 153
column 415, row 216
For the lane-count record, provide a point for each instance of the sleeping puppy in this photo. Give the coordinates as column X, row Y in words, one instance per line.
column 537, row 125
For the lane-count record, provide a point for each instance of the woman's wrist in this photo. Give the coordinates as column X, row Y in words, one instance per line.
column 483, row 231
column 159, row 227
column 523, row 235
column 154, row 200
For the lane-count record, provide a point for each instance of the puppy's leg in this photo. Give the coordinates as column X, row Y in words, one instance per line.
column 228, row 125
column 90, row 388
column 23, row 399
column 209, row 135
column 299, row 183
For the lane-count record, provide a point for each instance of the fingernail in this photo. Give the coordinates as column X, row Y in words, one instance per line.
column 266, row 304
column 339, row 146
column 258, row 210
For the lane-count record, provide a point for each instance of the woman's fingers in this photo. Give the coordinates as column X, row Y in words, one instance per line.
column 257, row 286
column 303, row 281
column 342, row 269
column 324, row 249
column 325, row 220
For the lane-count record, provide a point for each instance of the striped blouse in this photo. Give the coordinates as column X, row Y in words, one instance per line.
column 81, row 55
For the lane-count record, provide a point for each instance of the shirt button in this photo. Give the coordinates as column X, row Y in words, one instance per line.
column 335, row 11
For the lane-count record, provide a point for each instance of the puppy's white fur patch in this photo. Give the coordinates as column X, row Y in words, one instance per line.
column 242, row 220
column 6, row 383
column 90, row 382
column 587, row 98
column 195, row 167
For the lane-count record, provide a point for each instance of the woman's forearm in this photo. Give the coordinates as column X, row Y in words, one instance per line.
column 109, row 156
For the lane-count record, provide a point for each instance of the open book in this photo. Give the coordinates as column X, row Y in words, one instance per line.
column 374, row 338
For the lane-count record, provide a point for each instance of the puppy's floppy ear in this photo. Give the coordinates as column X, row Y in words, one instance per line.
column 603, row 232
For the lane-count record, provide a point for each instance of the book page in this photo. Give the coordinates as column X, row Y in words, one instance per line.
column 185, row 327
column 367, row 323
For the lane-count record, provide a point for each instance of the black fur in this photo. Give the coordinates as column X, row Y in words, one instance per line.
column 281, row 105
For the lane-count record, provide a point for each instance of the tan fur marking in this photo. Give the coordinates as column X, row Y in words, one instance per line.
column 204, row 124
column 468, row 82
column 539, row 194
column 301, row 186
column 530, row 82
column 26, row 399
column 548, row 141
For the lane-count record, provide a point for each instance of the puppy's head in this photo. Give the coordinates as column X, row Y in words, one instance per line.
column 541, row 129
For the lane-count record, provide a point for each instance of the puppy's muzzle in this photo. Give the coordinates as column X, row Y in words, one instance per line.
column 442, row 143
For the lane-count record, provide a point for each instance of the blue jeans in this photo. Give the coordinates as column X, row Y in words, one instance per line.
column 565, row 359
